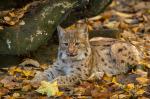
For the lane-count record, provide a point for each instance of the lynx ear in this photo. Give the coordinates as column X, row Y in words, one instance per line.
column 60, row 31
column 82, row 28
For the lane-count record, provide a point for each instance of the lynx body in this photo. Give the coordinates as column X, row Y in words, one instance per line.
column 79, row 58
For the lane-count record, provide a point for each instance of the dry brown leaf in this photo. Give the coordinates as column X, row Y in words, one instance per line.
column 30, row 62
column 140, row 72
column 112, row 25
column 96, row 94
column 16, row 95
column 3, row 91
column 107, row 15
column 26, row 88
column 135, row 29
column 115, row 96
column 123, row 25
column 6, row 18
column 12, row 14
column 9, row 83
column 124, row 15
column 123, row 96
column 131, row 21
column 95, row 18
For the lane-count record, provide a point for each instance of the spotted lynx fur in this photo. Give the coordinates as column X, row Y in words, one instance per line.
column 79, row 58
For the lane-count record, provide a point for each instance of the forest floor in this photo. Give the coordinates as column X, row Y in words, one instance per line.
column 132, row 19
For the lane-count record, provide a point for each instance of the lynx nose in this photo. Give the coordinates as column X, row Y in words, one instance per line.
column 72, row 52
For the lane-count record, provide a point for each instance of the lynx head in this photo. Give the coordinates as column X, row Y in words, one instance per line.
column 74, row 43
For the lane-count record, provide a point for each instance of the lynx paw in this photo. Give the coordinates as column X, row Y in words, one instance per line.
column 96, row 76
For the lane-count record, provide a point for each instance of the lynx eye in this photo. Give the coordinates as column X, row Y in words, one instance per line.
column 66, row 44
column 77, row 43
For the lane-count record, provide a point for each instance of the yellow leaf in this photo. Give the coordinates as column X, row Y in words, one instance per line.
column 118, row 84
column 14, row 69
column 140, row 92
column 130, row 86
column 51, row 89
column 145, row 63
column 142, row 80
column 71, row 27
column 107, row 78
column 23, row 72
column 27, row 73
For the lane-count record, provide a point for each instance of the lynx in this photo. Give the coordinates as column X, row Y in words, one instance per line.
column 80, row 58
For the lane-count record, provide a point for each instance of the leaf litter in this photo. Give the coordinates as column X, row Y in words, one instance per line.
column 132, row 18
